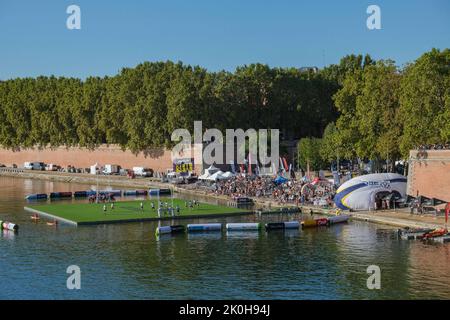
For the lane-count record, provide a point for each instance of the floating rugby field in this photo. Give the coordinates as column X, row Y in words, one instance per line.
column 126, row 211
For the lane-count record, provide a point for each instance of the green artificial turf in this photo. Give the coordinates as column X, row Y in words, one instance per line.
column 125, row 210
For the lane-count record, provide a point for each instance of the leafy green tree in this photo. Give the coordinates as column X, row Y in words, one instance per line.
column 425, row 101
column 330, row 147
column 377, row 109
column 309, row 153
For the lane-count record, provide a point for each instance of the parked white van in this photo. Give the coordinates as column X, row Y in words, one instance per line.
column 111, row 169
column 34, row 165
column 141, row 171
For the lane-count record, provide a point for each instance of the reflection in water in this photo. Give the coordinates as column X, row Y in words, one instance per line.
column 128, row 262
column 248, row 234
column 210, row 235
column 7, row 234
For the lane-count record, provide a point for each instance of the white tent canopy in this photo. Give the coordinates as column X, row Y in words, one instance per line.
column 211, row 170
column 204, row 176
column 216, row 176
column 228, row 175
column 360, row 192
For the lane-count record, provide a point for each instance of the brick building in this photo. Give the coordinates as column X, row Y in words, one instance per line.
column 429, row 174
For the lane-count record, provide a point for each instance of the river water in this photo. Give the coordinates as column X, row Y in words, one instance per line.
column 128, row 262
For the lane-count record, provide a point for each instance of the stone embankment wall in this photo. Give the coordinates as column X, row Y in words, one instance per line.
column 157, row 159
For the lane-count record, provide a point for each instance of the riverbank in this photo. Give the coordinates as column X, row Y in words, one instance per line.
column 398, row 218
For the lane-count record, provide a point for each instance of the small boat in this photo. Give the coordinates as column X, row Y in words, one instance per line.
column 435, row 233
column 412, row 234
column 35, row 217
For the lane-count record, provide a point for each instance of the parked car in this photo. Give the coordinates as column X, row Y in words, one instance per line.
column 52, row 167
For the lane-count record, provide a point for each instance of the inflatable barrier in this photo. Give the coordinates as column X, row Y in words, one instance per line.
column 170, row 229
column 204, row 227
column 80, row 194
column 338, row 219
column 91, row 193
column 165, row 191
column 36, row 196
column 4, row 225
column 282, row 225
column 243, row 226
column 155, row 192
column 83, row 194
column 312, row 223
column 135, row 192
column 58, row 195
column 116, row 193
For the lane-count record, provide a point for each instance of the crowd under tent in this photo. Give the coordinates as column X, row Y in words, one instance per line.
column 280, row 180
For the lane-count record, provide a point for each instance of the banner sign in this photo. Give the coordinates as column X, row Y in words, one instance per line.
column 183, row 166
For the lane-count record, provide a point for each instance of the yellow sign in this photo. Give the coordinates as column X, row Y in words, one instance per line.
column 184, row 167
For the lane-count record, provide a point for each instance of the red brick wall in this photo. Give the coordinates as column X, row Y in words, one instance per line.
column 158, row 160
column 429, row 174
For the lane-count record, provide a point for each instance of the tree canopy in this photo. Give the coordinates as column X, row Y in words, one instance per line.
column 140, row 107
column 360, row 108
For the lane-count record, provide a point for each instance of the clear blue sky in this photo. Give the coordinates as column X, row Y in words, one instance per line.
column 215, row 34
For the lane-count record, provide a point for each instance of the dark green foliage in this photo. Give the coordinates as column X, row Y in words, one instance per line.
column 140, row 107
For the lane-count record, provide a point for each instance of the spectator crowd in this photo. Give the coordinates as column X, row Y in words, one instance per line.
column 292, row 191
